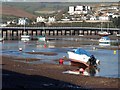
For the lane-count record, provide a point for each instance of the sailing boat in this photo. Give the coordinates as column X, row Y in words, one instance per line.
column 104, row 40
column 103, row 33
column 42, row 37
column 25, row 37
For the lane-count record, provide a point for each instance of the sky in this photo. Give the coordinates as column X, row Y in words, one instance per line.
column 61, row 0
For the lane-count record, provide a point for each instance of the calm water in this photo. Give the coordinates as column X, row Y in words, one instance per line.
column 107, row 68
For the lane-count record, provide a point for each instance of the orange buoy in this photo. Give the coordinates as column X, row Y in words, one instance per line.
column 61, row 61
column 45, row 46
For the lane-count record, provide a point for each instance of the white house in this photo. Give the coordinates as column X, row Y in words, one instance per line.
column 51, row 19
column 110, row 13
column 79, row 10
column 3, row 25
column 93, row 18
column 22, row 21
column 8, row 22
column 40, row 19
column 71, row 10
column 104, row 18
column 115, row 16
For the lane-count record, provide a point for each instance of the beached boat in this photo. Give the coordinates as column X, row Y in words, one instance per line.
column 41, row 38
column 104, row 41
column 82, row 58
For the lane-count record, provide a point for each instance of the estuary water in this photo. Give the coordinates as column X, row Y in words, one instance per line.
column 109, row 59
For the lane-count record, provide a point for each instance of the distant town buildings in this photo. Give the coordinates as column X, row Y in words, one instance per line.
column 79, row 9
column 23, row 21
column 51, row 19
column 101, row 12
column 93, row 13
column 42, row 19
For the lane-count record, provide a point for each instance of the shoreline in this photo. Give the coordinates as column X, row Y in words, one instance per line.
column 53, row 71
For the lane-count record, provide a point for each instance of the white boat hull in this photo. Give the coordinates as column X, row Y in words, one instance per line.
column 81, row 59
column 41, row 38
column 103, row 33
column 104, row 42
column 76, row 58
column 25, row 38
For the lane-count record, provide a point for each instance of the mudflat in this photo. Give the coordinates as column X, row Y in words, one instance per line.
column 25, row 75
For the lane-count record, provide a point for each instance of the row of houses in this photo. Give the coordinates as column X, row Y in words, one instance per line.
column 26, row 21
column 101, row 12
column 42, row 19
column 76, row 13
column 79, row 9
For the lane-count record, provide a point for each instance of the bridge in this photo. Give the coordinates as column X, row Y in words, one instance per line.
column 36, row 31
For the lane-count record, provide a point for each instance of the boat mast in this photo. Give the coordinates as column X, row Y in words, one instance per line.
column 24, row 27
column 107, row 27
column 101, row 26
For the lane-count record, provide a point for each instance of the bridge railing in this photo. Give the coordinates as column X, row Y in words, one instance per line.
column 87, row 28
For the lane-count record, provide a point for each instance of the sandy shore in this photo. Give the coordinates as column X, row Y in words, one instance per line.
column 25, row 75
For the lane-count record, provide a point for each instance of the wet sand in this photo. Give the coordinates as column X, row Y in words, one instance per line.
column 24, row 75
column 43, row 53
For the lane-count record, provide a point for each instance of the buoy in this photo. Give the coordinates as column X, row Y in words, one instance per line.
column 114, row 52
column 20, row 49
column 61, row 61
column 45, row 46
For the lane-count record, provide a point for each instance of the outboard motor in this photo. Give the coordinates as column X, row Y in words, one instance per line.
column 92, row 60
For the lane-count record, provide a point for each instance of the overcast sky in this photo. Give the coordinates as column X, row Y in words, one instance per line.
column 61, row 0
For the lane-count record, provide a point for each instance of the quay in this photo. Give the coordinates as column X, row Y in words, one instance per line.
column 16, row 32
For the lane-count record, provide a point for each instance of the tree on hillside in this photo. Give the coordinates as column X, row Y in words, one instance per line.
column 116, row 22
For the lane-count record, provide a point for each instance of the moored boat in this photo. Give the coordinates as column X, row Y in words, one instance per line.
column 82, row 58
column 118, row 35
column 104, row 41
column 103, row 33
column 25, row 38
column 41, row 38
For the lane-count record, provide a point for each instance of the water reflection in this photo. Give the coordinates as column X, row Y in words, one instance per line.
column 92, row 71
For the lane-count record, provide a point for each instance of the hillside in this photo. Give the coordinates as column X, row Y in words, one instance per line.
column 14, row 11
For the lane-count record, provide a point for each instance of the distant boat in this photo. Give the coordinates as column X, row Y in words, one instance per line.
column 41, row 38
column 118, row 35
column 82, row 58
column 25, row 37
column 104, row 41
column 103, row 33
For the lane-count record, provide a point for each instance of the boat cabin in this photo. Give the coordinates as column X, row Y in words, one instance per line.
column 104, row 41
